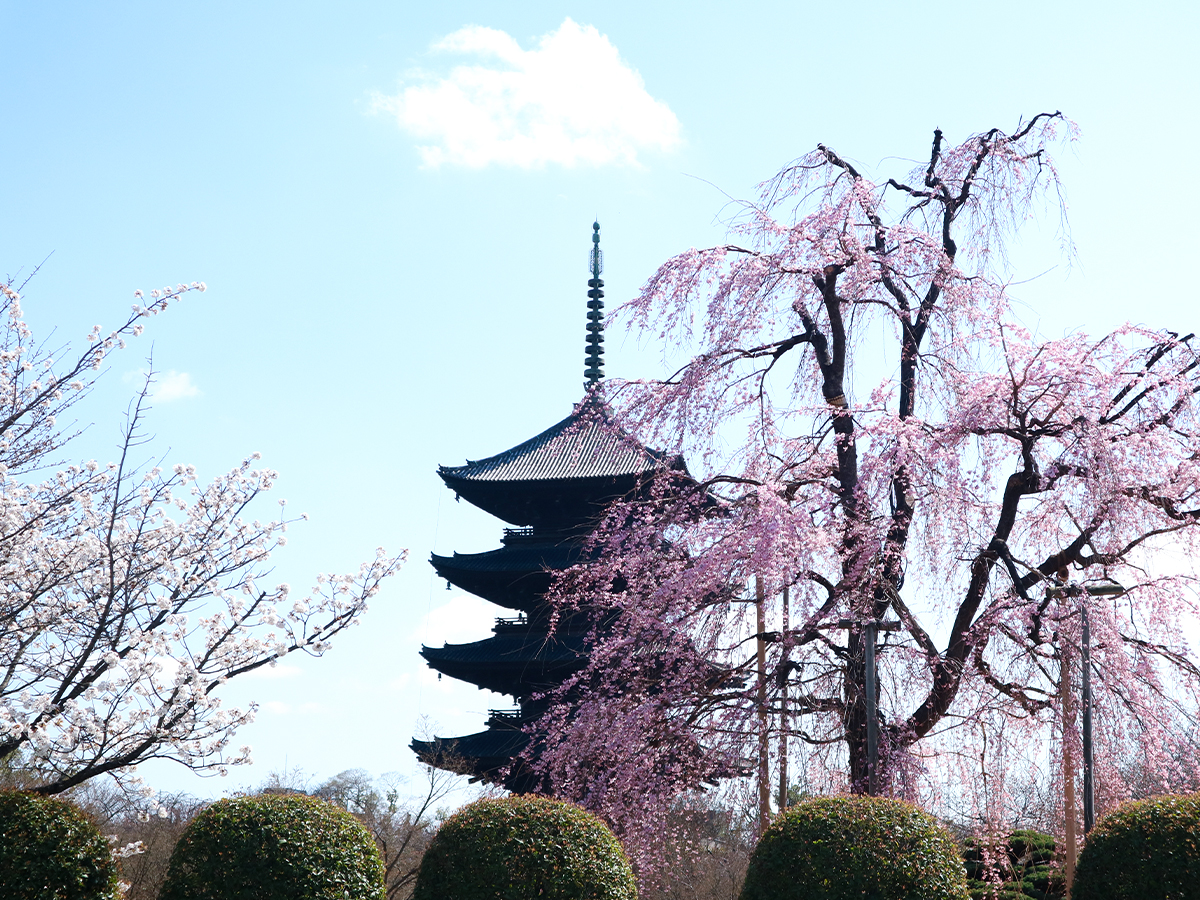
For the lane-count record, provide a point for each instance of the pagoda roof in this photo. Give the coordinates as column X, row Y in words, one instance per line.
column 515, row 576
column 476, row 754
column 563, row 478
column 517, row 559
column 522, row 649
column 511, row 663
column 483, row 756
column 586, row 444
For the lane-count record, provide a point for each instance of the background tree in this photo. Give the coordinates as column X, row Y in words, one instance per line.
column 402, row 827
column 876, row 435
column 130, row 593
column 143, row 831
column 401, row 820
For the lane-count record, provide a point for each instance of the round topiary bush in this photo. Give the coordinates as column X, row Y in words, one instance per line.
column 524, row 847
column 1022, row 868
column 49, row 850
column 274, row 847
column 1150, row 848
column 841, row 847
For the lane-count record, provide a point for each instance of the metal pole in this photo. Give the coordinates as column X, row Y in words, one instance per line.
column 764, row 772
column 870, row 630
column 1089, row 803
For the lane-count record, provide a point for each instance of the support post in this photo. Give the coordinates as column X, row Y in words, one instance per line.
column 1085, row 660
column 870, row 635
column 764, row 762
column 1068, row 765
column 871, row 629
column 1104, row 589
column 783, row 707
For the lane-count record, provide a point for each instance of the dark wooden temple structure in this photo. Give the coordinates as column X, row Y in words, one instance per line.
column 552, row 489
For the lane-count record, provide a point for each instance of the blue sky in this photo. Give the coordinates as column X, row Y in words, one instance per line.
column 391, row 205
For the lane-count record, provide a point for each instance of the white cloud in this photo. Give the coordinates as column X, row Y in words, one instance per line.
column 173, row 385
column 165, row 386
column 571, row 101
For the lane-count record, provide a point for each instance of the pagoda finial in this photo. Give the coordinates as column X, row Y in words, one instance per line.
column 594, row 360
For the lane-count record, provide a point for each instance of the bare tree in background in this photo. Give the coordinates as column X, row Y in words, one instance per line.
column 402, row 828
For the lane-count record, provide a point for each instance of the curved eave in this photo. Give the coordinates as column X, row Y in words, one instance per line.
column 515, row 578
column 480, row 755
column 517, row 664
column 586, row 443
column 546, row 503
column 564, row 476
column 523, row 592
column 484, row 756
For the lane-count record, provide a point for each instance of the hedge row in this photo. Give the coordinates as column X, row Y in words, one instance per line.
column 853, row 847
column 294, row 847
column 274, row 847
column 1147, row 849
column 524, row 847
column 50, row 850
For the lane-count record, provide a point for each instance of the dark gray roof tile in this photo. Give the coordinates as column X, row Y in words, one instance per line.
column 586, row 444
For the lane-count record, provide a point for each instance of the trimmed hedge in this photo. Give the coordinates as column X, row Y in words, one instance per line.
column 1141, row 850
column 50, row 850
column 1025, row 868
column 274, row 847
column 836, row 848
column 524, row 847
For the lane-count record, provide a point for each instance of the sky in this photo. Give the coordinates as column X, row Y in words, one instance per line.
column 391, row 204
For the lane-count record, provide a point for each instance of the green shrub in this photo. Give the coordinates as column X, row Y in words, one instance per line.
column 1146, row 849
column 842, row 847
column 524, row 847
column 274, row 847
column 1022, row 869
column 49, row 850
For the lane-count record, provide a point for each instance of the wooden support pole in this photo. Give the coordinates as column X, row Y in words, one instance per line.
column 1089, row 788
column 783, row 708
column 1064, row 679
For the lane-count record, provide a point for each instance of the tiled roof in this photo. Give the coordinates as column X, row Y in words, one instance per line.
column 586, row 444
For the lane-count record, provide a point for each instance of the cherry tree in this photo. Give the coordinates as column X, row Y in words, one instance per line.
column 130, row 593
column 875, row 436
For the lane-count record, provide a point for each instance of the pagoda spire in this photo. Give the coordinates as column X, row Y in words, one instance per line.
column 595, row 326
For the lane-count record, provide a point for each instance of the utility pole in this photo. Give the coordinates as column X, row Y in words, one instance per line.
column 1105, row 589
column 871, row 629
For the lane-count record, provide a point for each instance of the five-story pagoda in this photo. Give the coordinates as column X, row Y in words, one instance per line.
column 552, row 488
